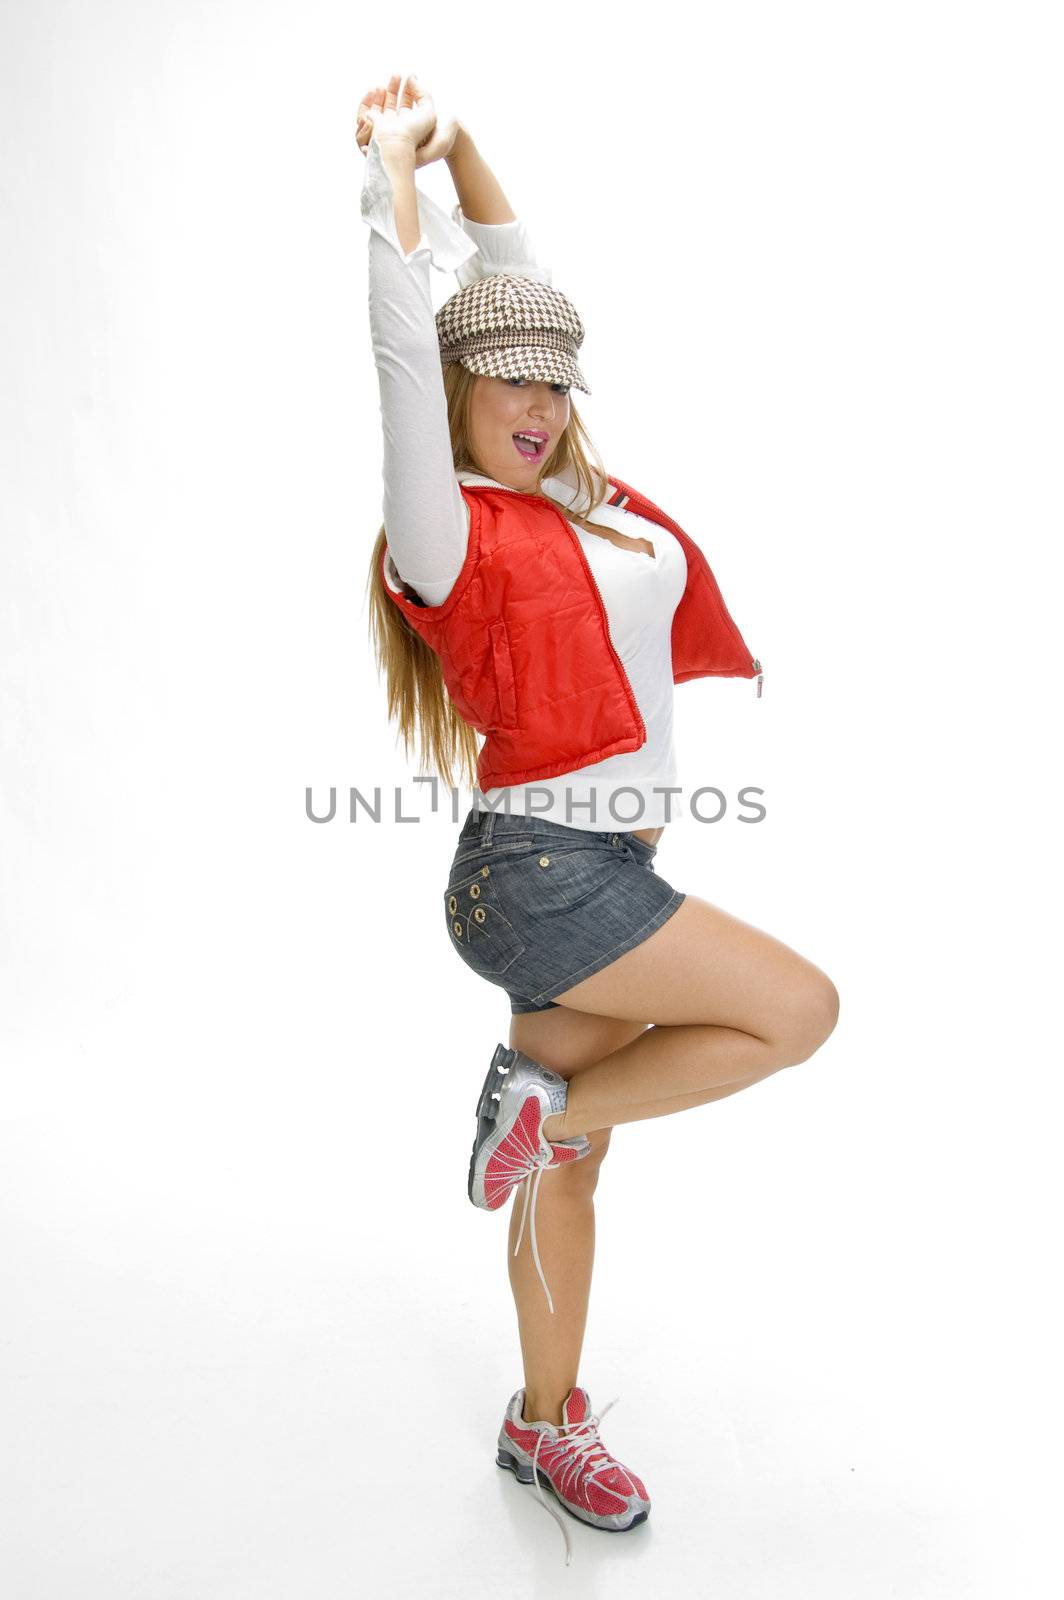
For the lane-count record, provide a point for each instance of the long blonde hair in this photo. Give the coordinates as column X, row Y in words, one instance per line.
column 417, row 695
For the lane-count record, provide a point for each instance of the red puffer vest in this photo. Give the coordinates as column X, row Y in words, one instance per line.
column 524, row 643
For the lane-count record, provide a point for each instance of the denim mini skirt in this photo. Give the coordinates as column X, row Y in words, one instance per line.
column 535, row 906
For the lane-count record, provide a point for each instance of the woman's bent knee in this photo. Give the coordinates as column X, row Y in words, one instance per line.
column 811, row 1017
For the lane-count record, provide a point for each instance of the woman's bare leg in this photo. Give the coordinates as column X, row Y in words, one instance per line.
column 565, row 1217
column 730, row 1005
column 772, row 1009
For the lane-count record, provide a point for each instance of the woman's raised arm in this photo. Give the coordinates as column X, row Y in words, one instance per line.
column 425, row 516
column 484, row 213
column 479, row 191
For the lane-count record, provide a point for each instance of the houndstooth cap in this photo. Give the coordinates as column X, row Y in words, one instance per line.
column 504, row 326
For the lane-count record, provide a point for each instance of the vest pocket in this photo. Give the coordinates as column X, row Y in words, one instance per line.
column 505, row 686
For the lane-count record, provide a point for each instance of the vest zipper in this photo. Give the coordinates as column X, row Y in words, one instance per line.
column 757, row 668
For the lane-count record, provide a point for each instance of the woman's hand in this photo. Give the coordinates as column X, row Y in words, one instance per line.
column 408, row 118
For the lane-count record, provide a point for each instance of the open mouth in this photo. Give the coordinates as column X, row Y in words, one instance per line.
column 532, row 446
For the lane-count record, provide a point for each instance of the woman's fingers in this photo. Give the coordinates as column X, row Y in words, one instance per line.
column 418, row 100
column 401, row 108
column 369, row 108
column 373, row 100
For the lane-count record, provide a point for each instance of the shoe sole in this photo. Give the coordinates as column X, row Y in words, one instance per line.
column 524, row 1474
column 487, row 1109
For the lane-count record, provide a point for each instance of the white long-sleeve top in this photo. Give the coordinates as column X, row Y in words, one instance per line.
column 426, row 518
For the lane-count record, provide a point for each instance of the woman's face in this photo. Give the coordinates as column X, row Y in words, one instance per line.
column 501, row 407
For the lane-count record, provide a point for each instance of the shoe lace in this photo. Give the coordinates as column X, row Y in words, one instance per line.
column 538, row 1165
column 582, row 1447
column 528, row 1162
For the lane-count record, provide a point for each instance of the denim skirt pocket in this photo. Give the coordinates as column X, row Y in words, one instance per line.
column 548, row 880
column 476, row 924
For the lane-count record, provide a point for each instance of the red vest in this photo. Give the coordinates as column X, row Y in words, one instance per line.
column 524, row 643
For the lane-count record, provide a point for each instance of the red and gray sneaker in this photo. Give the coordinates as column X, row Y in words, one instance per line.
column 517, row 1097
column 570, row 1458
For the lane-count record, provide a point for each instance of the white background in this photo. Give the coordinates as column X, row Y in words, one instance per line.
column 255, row 1341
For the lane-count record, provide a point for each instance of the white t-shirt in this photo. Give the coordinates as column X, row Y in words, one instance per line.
column 427, row 519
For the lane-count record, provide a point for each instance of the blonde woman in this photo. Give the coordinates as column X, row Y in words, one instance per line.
column 524, row 597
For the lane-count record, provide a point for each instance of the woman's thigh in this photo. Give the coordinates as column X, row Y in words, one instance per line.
column 566, row 1040
column 705, row 966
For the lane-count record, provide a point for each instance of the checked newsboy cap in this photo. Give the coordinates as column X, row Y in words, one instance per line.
column 504, row 326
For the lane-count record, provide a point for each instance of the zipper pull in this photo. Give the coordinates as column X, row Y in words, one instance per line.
column 760, row 675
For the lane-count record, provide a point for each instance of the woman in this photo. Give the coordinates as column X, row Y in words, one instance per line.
column 523, row 592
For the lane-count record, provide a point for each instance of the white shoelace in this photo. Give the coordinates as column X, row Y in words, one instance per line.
column 541, row 1162
column 531, row 1162
column 579, row 1450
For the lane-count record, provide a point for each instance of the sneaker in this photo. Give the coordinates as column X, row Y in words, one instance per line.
column 572, row 1460
column 518, row 1096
